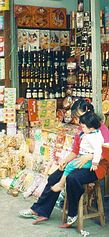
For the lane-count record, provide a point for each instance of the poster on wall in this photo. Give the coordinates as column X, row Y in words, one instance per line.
column 44, row 37
column 2, row 68
column 4, row 5
column 33, row 39
column 28, row 37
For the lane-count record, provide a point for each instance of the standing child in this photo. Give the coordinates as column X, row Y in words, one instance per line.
column 90, row 145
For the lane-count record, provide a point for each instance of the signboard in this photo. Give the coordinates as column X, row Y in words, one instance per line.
column 4, row 5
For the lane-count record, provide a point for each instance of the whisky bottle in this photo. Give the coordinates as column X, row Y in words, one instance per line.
column 79, row 38
column 107, row 61
column 28, row 91
column 56, row 60
column 89, row 41
column 63, row 94
column 104, row 71
column 80, row 6
column 86, row 19
column 40, row 91
column 46, row 94
column 79, row 20
column 84, row 38
column 23, row 66
column 63, row 58
column 34, row 91
column 57, row 89
column 51, row 90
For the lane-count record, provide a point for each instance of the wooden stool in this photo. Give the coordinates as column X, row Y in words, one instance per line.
column 85, row 209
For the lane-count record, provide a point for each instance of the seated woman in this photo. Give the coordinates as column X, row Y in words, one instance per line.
column 42, row 209
column 90, row 144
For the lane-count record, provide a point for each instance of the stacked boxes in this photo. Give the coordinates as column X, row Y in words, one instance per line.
column 47, row 112
column 9, row 105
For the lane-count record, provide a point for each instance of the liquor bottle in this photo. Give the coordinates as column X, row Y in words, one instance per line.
column 51, row 90
column 34, row 91
column 78, row 38
column 72, row 20
column 48, row 64
column 43, row 72
column 57, row 89
column 104, row 71
column 80, row 79
column 28, row 91
column 84, row 38
column 89, row 41
column 35, row 67
column 86, row 19
column 63, row 76
column 56, row 60
column 107, row 61
column 48, row 58
column 102, row 22
column 40, row 72
column 45, row 93
column 79, row 20
column 63, row 94
column 28, row 73
column 23, row 67
column 80, row 6
column 40, row 90
column 82, row 62
column 43, row 58
column 28, row 66
column 63, row 58
column 103, row 61
column 39, row 58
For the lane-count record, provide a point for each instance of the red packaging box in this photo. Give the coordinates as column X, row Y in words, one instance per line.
column 32, row 110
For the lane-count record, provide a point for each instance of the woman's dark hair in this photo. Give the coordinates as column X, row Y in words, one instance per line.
column 81, row 105
column 90, row 119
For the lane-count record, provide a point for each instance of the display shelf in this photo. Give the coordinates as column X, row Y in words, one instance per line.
column 5, row 48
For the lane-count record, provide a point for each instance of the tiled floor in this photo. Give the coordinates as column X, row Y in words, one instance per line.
column 11, row 225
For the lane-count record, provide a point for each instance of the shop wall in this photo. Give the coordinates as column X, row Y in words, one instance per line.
column 69, row 5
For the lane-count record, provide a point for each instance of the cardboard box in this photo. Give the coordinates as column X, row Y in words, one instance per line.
column 32, row 110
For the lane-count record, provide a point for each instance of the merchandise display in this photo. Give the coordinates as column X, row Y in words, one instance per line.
column 53, row 57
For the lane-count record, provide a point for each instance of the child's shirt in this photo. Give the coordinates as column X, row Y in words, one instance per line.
column 91, row 143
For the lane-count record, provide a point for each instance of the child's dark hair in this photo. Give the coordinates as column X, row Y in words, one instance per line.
column 82, row 105
column 90, row 119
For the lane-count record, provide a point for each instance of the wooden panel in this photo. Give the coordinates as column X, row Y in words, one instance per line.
column 40, row 17
column 58, row 18
column 31, row 16
column 23, row 15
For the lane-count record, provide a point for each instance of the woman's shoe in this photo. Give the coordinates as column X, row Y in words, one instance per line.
column 70, row 222
column 28, row 213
